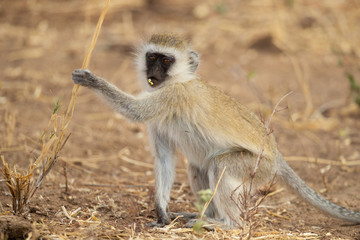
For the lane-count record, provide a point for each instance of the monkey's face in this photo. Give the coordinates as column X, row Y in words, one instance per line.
column 157, row 67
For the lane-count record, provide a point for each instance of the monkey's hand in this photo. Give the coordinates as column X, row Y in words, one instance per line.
column 85, row 78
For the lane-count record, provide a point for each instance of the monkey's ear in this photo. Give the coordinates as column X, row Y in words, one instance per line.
column 193, row 60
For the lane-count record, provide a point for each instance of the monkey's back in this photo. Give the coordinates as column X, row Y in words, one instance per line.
column 216, row 118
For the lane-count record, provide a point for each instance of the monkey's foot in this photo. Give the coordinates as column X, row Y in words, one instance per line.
column 208, row 224
column 187, row 216
column 191, row 219
column 161, row 222
column 156, row 224
column 164, row 221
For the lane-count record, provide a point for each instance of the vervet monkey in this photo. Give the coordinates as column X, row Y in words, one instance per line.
column 210, row 128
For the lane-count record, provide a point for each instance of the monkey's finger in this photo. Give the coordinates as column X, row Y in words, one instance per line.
column 81, row 73
column 78, row 77
column 78, row 82
column 81, row 70
column 77, row 74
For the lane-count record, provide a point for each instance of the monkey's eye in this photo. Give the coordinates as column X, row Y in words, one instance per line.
column 167, row 61
column 152, row 58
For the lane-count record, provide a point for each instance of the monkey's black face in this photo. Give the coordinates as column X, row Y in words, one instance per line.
column 157, row 67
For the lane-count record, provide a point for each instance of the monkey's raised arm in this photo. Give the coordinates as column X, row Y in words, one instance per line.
column 135, row 109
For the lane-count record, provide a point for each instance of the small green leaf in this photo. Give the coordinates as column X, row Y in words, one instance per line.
column 57, row 106
column 354, row 88
column 43, row 134
column 340, row 62
column 357, row 101
column 198, row 226
column 52, row 134
column 199, row 206
column 290, row 3
column 251, row 75
column 221, row 8
column 204, row 195
column 343, row 133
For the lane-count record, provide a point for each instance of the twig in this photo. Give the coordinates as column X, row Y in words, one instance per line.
column 275, row 192
column 67, row 214
column 323, row 161
column 136, row 162
column 100, row 185
column 276, row 215
column 66, row 178
column 246, row 197
column 266, row 132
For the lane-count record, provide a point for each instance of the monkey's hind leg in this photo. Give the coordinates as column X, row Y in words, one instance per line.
column 199, row 180
column 234, row 185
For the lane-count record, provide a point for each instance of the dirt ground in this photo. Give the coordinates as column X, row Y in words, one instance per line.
column 255, row 51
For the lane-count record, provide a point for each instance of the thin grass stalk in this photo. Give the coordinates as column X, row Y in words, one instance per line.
column 23, row 186
column 212, row 196
column 85, row 64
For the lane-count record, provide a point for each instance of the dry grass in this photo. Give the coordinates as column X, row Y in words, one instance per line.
column 22, row 185
column 10, row 121
column 245, row 196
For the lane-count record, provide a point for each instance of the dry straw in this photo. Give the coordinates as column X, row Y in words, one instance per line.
column 22, row 185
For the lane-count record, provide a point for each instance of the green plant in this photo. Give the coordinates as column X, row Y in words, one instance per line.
column 221, row 7
column 56, row 106
column 354, row 88
column 203, row 197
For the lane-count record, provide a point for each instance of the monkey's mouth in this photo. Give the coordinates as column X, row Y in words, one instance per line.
column 153, row 81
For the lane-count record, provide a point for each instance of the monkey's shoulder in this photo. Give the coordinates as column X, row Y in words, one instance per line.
column 198, row 95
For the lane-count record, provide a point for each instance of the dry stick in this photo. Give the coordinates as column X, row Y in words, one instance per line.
column 71, row 107
column 266, row 133
column 85, row 64
column 87, row 60
column 322, row 161
column 21, row 187
column 247, row 191
column 66, row 179
column 62, row 139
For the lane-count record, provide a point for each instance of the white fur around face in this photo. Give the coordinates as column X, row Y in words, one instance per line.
column 180, row 71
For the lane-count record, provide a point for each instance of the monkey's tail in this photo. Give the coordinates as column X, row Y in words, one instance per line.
column 296, row 183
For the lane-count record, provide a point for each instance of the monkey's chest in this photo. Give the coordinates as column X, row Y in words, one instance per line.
column 192, row 140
